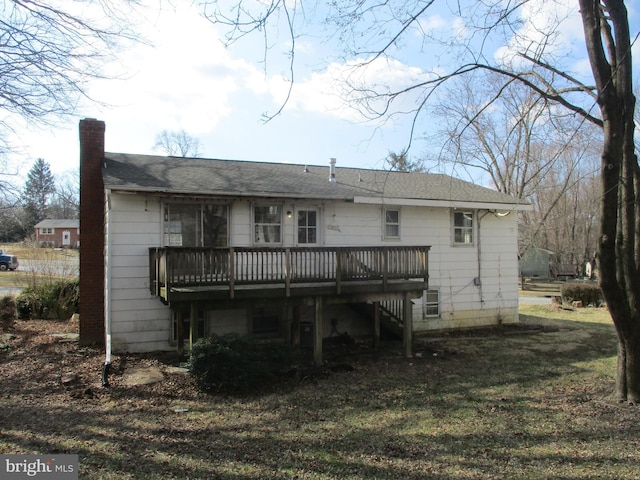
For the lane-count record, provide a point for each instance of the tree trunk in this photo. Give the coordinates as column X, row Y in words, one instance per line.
column 606, row 28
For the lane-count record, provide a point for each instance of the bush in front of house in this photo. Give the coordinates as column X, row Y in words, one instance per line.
column 7, row 312
column 238, row 364
column 587, row 293
column 51, row 300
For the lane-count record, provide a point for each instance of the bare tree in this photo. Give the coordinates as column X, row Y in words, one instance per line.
column 177, row 144
column 49, row 54
column 65, row 202
column 372, row 32
column 516, row 140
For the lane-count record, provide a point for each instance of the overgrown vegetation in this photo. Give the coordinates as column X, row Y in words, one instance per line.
column 239, row 364
column 589, row 294
column 58, row 300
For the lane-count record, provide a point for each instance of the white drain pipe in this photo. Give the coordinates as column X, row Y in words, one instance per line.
column 107, row 296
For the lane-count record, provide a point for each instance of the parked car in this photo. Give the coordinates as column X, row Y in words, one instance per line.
column 8, row 262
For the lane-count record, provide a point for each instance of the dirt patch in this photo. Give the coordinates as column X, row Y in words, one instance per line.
column 42, row 360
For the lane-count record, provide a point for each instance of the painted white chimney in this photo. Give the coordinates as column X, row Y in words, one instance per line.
column 332, row 170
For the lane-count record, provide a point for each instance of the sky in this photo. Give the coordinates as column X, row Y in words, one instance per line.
column 187, row 80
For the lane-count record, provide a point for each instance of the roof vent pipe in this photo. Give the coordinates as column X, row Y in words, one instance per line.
column 332, row 170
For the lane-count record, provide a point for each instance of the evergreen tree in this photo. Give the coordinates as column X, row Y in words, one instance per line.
column 39, row 187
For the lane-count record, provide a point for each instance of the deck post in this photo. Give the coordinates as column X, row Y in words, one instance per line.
column 287, row 271
column 376, row 325
column 180, row 332
column 317, row 337
column 193, row 325
column 295, row 326
column 407, row 326
column 232, row 271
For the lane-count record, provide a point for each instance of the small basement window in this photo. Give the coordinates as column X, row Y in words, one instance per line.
column 431, row 303
column 266, row 321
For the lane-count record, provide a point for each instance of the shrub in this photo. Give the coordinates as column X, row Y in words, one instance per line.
column 7, row 312
column 238, row 364
column 52, row 300
column 587, row 293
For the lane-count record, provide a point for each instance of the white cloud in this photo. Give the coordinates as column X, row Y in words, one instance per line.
column 430, row 23
column 343, row 90
column 553, row 26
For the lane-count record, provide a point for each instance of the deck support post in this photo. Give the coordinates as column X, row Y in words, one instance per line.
column 407, row 326
column 376, row 325
column 295, row 326
column 180, row 331
column 317, row 337
column 193, row 325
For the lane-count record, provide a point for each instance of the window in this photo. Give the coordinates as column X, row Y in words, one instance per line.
column 431, row 303
column 267, row 224
column 186, row 326
column 307, row 226
column 463, row 228
column 46, row 231
column 196, row 225
column 391, row 223
column 266, row 321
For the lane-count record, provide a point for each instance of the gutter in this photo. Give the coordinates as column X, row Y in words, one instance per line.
column 107, row 295
column 416, row 202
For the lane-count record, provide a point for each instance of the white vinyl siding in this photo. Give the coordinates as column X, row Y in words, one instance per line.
column 141, row 322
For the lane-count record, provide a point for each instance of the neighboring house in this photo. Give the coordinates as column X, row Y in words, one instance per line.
column 175, row 248
column 58, row 233
column 536, row 262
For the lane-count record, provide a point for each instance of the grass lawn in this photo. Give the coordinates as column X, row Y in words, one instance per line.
column 521, row 402
column 54, row 264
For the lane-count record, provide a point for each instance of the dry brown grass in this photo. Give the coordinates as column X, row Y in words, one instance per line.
column 521, row 402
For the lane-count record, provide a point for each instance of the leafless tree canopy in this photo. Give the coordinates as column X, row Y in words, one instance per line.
column 177, row 144
column 50, row 50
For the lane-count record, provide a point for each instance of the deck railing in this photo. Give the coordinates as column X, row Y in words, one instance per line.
column 175, row 267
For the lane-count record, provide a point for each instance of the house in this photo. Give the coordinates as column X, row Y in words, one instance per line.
column 175, row 248
column 58, row 233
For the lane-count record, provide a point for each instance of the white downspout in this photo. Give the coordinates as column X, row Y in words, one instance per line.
column 107, row 294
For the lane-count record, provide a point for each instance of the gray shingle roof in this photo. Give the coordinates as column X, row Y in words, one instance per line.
column 196, row 176
column 58, row 223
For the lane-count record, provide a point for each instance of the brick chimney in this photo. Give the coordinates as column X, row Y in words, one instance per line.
column 92, row 201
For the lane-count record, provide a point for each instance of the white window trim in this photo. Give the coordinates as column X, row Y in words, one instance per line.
column 166, row 207
column 318, row 225
column 474, row 216
column 253, row 223
column 384, row 223
column 425, row 303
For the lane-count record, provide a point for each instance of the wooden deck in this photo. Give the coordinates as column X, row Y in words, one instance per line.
column 188, row 278
column 180, row 274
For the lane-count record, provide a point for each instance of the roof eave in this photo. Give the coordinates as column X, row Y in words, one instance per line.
column 219, row 193
column 414, row 202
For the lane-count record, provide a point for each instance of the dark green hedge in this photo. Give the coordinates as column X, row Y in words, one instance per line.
column 587, row 293
column 236, row 364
